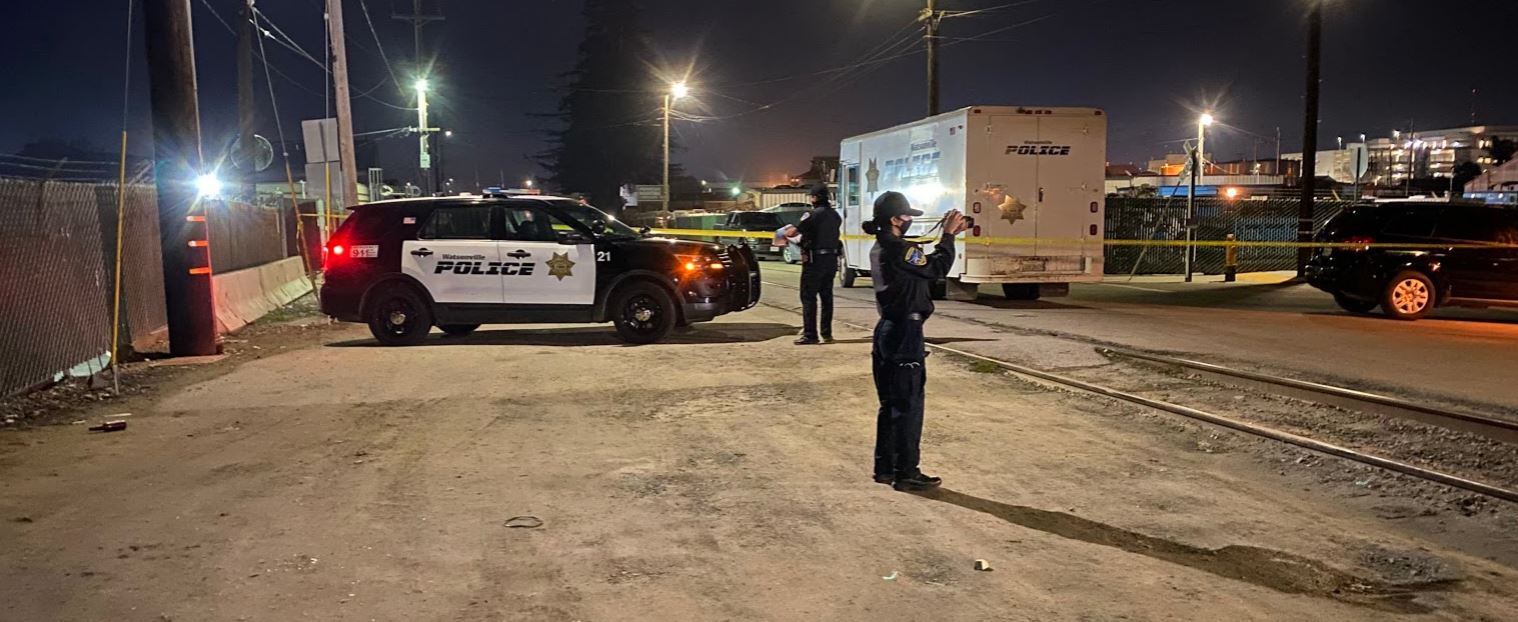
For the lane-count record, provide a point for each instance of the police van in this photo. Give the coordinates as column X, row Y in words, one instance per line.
column 1031, row 178
column 405, row 266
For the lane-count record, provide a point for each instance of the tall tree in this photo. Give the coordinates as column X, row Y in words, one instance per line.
column 610, row 110
column 1503, row 150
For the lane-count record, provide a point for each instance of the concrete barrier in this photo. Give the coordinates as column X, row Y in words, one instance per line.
column 243, row 296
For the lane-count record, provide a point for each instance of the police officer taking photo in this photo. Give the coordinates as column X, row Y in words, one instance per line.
column 820, row 245
column 904, row 274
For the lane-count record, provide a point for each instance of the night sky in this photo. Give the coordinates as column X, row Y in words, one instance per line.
column 1152, row 64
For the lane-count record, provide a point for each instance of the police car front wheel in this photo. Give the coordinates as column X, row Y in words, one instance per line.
column 399, row 316
column 643, row 313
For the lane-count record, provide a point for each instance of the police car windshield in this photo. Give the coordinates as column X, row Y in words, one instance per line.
column 588, row 216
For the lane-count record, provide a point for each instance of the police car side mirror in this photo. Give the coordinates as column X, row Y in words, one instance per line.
column 644, row 230
column 598, row 227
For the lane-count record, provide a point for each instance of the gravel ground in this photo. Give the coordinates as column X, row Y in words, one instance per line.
column 551, row 473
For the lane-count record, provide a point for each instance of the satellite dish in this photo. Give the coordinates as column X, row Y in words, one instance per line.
column 253, row 158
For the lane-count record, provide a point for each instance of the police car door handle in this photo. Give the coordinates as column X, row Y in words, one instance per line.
column 519, row 254
column 421, row 252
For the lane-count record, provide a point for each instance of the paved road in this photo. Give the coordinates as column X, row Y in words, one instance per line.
column 1461, row 356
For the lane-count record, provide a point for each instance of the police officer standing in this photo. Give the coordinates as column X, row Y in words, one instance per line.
column 820, row 245
column 904, row 275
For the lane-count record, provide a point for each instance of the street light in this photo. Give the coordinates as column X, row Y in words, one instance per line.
column 207, row 186
column 421, row 85
column 1198, row 165
column 529, row 182
column 677, row 90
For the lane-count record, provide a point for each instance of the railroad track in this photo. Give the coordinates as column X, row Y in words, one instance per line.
column 1496, row 428
column 1448, row 479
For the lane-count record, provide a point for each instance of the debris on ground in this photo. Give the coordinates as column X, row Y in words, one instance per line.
column 109, row 426
column 524, row 522
column 890, row 577
column 983, row 565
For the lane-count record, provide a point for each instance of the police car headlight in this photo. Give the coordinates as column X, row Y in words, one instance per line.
column 699, row 263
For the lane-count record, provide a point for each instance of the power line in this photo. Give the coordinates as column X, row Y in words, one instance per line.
column 362, row 4
column 988, row 9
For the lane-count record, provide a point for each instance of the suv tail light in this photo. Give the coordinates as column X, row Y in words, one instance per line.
column 336, row 251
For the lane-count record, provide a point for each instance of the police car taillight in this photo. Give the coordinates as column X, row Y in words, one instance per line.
column 336, row 252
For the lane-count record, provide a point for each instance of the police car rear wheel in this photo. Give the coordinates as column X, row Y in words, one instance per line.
column 458, row 330
column 846, row 276
column 399, row 317
column 643, row 313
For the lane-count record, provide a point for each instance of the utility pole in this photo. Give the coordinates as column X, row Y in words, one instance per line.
column 664, row 188
column 931, row 17
column 1193, row 161
column 190, row 307
column 344, row 107
column 418, row 20
column 1310, row 135
column 246, row 105
column 424, row 159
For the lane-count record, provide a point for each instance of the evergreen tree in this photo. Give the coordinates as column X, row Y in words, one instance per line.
column 611, row 132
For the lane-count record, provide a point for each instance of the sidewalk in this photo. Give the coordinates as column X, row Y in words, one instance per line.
column 1253, row 278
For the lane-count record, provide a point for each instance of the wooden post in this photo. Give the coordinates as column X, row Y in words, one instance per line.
column 176, row 151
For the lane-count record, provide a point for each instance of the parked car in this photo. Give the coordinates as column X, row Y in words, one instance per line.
column 1456, row 255
column 766, row 222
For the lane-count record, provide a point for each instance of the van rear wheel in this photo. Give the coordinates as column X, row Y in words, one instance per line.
column 1020, row 291
column 846, row 277
column 458, row 330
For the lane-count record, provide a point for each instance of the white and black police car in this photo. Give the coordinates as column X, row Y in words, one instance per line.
column 405, row 266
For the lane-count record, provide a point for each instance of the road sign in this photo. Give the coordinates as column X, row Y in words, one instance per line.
column 652, row 193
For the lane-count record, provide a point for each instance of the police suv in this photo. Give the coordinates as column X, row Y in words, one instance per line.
column 405, row 266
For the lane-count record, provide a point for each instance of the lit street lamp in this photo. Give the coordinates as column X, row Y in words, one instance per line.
column 424, row 159
column 1198, row 165
column 676, row 91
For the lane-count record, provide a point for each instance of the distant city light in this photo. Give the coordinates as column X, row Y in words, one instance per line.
column 736, row 191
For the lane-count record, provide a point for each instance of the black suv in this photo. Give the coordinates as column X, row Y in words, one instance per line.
column 1454, row 254
column 766, row 222
column 405, row 266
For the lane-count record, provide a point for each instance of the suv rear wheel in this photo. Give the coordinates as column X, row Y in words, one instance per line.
column 643, row 312
column 1354, row 305
column 398, row 316
column 1408, row 296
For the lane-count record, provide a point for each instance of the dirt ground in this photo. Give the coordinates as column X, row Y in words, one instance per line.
column 554, row 474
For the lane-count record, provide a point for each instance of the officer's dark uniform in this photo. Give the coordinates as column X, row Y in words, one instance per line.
column 820, row 245
column 904, row 274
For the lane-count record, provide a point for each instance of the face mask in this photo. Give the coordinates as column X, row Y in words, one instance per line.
column 904, row 222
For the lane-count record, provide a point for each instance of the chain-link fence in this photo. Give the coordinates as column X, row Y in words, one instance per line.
column 57, row 270
column 1162, row 219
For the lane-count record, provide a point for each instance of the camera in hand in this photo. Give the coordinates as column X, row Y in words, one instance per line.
column 969, row 222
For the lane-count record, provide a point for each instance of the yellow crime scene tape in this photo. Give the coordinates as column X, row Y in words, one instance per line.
column 1079, row 243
